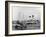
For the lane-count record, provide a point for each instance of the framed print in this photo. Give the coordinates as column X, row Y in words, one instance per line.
column 24, row 18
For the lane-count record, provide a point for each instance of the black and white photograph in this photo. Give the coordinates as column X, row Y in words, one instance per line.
column 24, row 18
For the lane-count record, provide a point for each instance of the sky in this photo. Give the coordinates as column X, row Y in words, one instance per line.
column 23, row 13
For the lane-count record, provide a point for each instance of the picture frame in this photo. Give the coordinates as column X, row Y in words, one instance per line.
column 22, row 11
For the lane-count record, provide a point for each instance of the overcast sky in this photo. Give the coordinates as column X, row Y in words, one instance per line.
column 25, row 12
